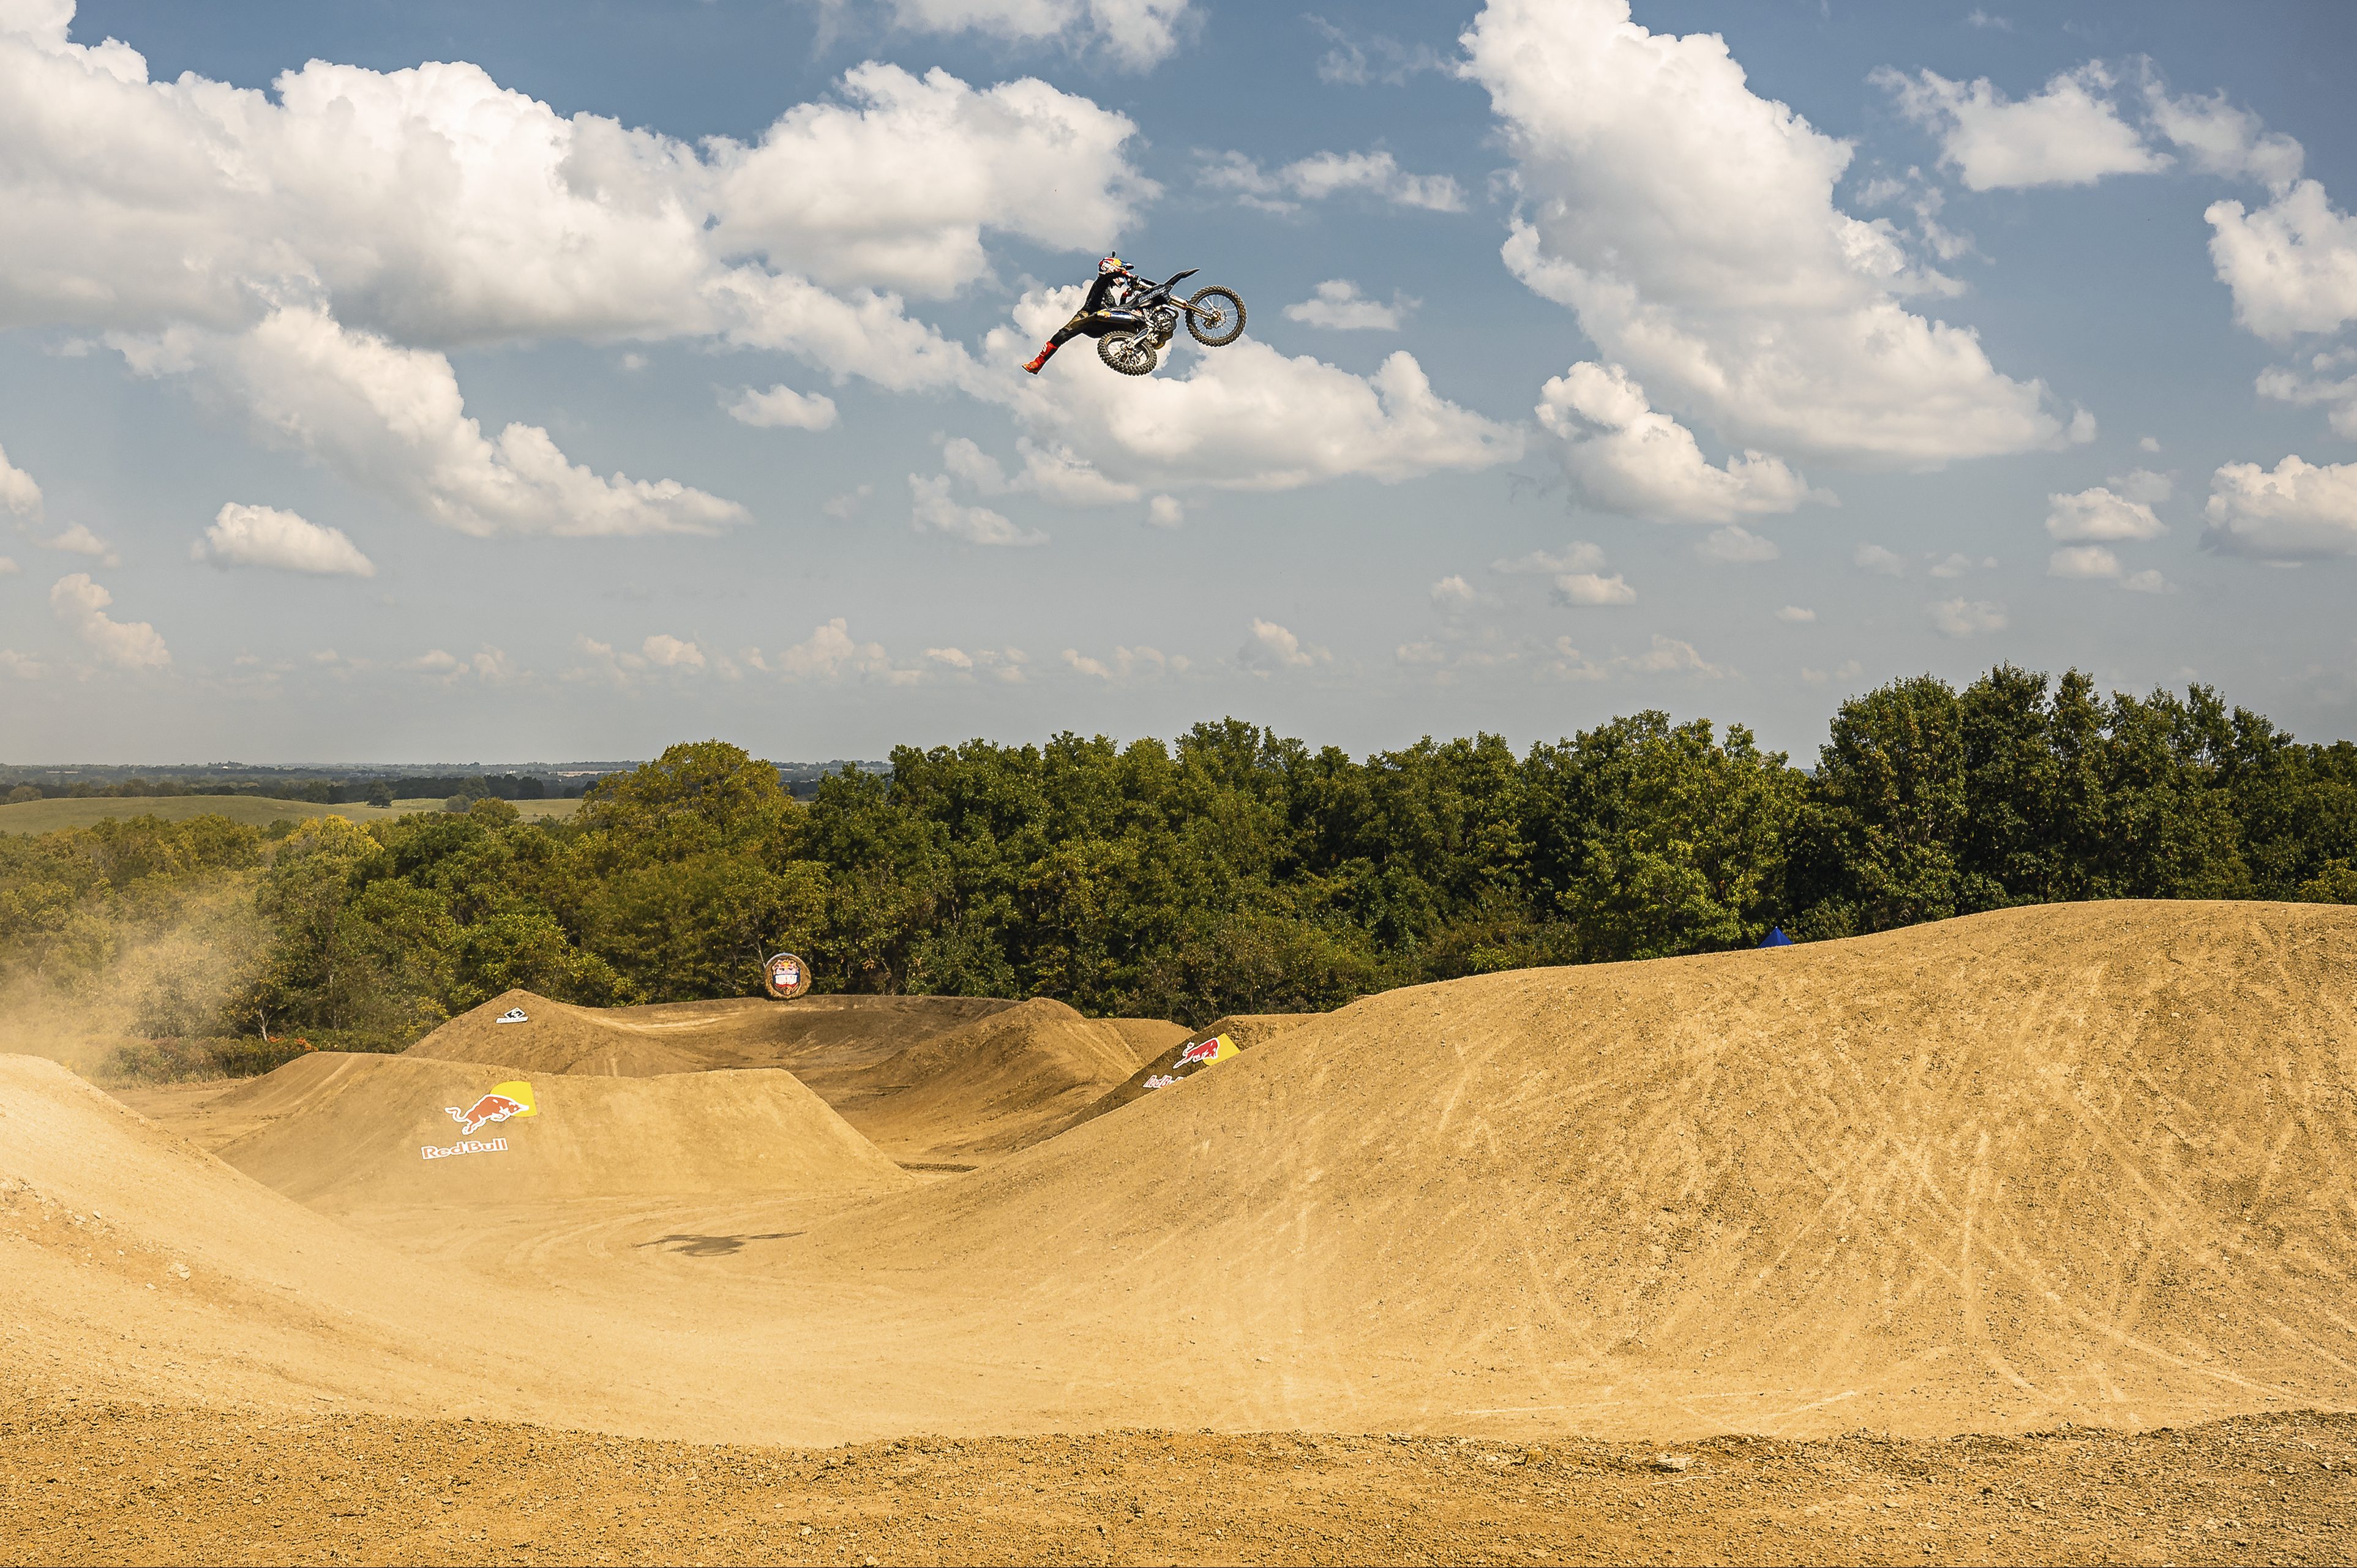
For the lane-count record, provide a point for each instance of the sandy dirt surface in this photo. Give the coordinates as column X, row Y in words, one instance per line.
column 133, row 1484
column 2091, row 1165
column 1155, row 1070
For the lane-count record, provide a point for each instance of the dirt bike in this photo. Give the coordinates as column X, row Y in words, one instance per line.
column 1142, row 325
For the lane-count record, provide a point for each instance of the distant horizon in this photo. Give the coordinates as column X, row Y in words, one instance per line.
column 395, row 769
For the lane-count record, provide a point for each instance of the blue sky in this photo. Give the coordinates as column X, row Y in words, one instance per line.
column 644, row 372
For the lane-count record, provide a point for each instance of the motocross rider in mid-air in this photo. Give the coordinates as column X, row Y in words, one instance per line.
column 1115, row 281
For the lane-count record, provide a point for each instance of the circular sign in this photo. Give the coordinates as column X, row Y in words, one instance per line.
column 785, row 977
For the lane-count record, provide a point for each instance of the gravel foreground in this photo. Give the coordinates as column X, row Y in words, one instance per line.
column 127, row 1484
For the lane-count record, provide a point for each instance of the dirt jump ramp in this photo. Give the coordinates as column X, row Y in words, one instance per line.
column 350, row 1130
column 135, row 1266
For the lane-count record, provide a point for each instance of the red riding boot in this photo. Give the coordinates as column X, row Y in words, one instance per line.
column 1041, row 358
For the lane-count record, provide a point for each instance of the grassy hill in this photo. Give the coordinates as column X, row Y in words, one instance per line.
column 47, row 816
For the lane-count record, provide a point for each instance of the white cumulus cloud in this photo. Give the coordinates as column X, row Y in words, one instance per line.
column 1578, row 556
column 2220, row 139
column 1453, row 596
column 2070, row 133
column 1273, row 647
column 392, row 420
column 1139, row 663
column 2297, row 511
column 1690, row 224
column 1051, row 470
column 81, row 606
column 782, row 408
column 829, row 653
column 2082, row 561
column 1625, row 456
column 2098, row 515
column 1587, row 590
column 265, row 536
column 2291, row 266
column 489, row 665
column 1338, row 306
column 1323, row 174
column 437, row 207
column 1134, row 34
column 1734, row 546
column 1966, row 618
column 664, row 651
column 2317, row 385
column 894, row 186
column 935, row 511
column 1796, row 615
column 78, row 540
column 19, row 494
column 1882, row 561
column 1002, row 664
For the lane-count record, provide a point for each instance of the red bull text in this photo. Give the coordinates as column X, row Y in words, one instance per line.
column 464, row 1146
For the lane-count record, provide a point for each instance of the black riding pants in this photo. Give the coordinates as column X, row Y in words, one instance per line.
column 1086, row 323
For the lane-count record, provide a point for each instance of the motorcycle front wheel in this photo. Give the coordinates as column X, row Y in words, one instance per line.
column 1131, row 353
column 1216, row 316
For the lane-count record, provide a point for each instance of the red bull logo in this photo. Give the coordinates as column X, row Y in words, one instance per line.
column 505, row 1101
column 1218, row 1048
column 488, row 1109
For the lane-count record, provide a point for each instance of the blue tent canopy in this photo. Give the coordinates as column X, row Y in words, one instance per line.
column 1777, row 939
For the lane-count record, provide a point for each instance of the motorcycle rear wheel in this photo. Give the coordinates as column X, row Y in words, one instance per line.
column 1131, row 353
column 1226, row 313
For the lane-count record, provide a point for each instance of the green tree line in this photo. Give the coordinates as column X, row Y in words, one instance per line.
column 1235, row 869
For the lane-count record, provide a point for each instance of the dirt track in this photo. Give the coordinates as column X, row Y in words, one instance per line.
column 2094, row 1165
column 134, row 1485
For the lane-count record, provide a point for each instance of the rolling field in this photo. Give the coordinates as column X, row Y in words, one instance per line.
column 48, row 816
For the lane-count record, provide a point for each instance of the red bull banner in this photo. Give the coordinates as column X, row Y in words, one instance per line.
column 1194, row 1060
column 503, row 1102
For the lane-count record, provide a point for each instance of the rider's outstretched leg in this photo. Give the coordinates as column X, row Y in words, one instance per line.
column 1064, row 334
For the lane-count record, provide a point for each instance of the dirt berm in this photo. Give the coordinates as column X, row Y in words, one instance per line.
column 337, row 1131
column 696, row 1037
column 1245, row 1029
column 982, row 1090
